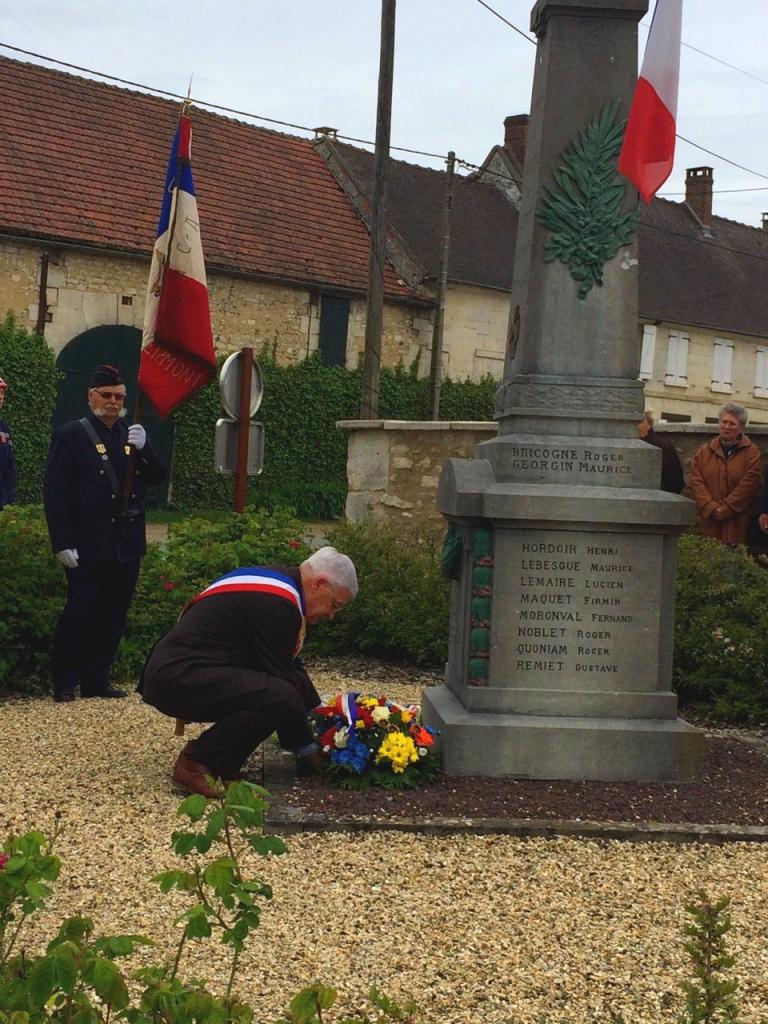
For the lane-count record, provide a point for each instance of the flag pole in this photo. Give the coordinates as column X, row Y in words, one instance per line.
column 138, row 409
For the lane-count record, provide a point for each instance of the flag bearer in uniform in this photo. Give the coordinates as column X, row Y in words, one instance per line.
column 232, row 659
column 7, row 458
column 99, row 544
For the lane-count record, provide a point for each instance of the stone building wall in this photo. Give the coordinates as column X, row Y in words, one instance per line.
column 696, row 397
column 87, row 288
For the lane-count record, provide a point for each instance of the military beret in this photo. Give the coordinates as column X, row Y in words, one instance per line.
column 105, row 375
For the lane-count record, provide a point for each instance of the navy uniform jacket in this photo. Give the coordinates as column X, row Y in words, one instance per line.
column 7, row 466
column 80, row 506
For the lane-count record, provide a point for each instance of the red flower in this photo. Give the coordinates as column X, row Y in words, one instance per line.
column 294, row 544
column 3, row 860
column 168, row 585
column 366, row 717
column 326, row 740
column 420, row 736
column 326, row 712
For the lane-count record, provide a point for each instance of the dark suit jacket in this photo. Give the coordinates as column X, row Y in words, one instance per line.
column 80, row 506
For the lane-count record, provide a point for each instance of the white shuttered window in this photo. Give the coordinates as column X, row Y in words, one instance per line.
column 647, row 352
column 677, row 360
column 722, row 365
column 761, row 372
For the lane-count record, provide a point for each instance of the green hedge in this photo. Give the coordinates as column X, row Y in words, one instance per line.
column 721, row 631
column 28, row 367
column 306, row 455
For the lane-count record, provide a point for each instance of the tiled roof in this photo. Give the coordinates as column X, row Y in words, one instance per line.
column 719, row 282
column 483, row 223
column 83, row 162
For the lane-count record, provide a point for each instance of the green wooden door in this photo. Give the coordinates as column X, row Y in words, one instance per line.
column 120, row 346
column 334, row 321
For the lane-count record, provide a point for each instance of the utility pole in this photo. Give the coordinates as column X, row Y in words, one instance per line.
column 436, row 368
column 369, row 409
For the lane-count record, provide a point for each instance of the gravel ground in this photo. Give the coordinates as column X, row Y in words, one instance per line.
column 476, row 928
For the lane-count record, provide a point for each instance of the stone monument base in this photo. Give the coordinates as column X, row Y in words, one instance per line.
column 555, row 747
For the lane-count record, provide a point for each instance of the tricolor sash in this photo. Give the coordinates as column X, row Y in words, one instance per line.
column 255, row 580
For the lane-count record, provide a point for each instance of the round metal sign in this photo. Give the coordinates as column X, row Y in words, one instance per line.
column 229, row 385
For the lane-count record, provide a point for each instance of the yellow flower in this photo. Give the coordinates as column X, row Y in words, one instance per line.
column 399, row 750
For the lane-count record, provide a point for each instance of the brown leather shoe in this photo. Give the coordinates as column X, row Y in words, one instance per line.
column 193, row 777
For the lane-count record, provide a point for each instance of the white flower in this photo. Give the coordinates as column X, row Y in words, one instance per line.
column 380, row 713
column 341, row 738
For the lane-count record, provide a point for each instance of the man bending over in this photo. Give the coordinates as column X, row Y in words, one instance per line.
column 232, row 659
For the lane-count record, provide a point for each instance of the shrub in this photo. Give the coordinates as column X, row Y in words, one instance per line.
column 402, row 608
column 77, row 980
column 305, row 463
column 721, row 630
column 31, row 597
column 28, row 366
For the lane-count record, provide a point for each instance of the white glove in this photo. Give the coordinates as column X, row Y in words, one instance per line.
column 68, row 557
column 137, row 436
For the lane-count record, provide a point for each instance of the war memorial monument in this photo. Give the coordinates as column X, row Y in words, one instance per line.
column 561, row 546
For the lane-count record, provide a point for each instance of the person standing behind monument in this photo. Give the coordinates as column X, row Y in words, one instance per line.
column 7, row 458
column 99, row 547
column 725, row 478
column 672, row 479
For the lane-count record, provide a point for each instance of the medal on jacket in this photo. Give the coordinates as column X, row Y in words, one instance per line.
column 101, row 449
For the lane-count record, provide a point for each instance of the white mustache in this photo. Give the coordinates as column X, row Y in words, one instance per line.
column 102, row 412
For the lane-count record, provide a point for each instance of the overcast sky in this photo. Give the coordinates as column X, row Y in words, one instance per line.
column 458, row 69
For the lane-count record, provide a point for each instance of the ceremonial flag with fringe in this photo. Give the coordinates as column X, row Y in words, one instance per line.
column 648, row 151
column 178, row 355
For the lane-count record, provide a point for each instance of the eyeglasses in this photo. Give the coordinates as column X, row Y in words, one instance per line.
column 335, row 605
column 118, row 396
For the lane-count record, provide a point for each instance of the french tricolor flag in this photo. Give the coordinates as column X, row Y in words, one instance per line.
column 648, row 151
column 178, row 355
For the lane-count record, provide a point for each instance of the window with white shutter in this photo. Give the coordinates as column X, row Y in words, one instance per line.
column 647, row 352
column 722, row 366
column 761, row 372
column 677, row 360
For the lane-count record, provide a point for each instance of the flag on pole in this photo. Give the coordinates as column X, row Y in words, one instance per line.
column 178, row 355
column 648, row 151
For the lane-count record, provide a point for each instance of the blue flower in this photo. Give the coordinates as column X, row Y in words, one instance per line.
column 354, row 756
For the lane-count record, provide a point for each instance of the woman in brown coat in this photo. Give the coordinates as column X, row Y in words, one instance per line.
column 725, row 478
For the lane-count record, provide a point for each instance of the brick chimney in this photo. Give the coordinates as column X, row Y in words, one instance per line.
column 698, row 193
column 516, row 136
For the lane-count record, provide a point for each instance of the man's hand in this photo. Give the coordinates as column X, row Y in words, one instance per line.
column 137, row 436
column 68, row 557
column 720, row 513
column 763, row 522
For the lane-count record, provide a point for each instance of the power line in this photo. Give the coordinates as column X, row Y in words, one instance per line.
column 720, row 191
column 502, row 18
column 723, row 158
column 204, row 103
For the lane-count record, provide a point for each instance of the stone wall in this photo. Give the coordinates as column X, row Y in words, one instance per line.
column 393, row 466
column 87, row 288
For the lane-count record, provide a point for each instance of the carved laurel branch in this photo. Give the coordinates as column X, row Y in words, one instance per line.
column 583, row 208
